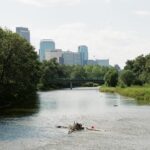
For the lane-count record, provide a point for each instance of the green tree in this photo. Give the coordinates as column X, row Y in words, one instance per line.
column 127, row 77
column 140, row 66
column 111, row 78
column 129, row 65
column 50, row 71
column 53, row 71
column 78, row 72
column 97, row 71
column 88, row 71
column 19, row 66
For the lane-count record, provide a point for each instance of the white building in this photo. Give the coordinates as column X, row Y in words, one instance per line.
column 54, row 54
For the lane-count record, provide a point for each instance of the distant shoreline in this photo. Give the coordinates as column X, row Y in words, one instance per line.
column 139, row 93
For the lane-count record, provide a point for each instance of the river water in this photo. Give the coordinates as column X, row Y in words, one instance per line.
column 123, row 123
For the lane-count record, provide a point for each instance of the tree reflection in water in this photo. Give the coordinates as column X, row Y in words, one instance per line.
column 21, row 108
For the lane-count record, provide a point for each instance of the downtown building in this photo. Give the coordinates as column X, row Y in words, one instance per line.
column 83, row 50
column 23, row 32
column 64, row 57
column 57, row 53
column 100, row 62
column 71, row 58
column 46, row 46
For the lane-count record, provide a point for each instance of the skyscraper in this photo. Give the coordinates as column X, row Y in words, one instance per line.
column 23, row 32
column 83, row 50
column 46, row 45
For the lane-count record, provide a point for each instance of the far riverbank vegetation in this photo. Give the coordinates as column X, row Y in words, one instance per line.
column 51, row 71
column 132, row 81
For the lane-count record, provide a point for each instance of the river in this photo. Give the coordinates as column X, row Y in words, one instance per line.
column 123, row 123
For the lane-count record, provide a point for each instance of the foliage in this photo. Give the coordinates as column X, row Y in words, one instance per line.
column 136, row 72
column 141, row 94
column 51, row 70
column 141, row 69
column 108, row 89
column 95, row 71
column 78, row 72
column 111, row 78
column 127, row 77
column 19, row 67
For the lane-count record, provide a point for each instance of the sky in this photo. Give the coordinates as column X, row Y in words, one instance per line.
column 118, row 30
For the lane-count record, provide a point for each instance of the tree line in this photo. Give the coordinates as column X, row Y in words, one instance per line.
column 135, row 72
column 52, row 70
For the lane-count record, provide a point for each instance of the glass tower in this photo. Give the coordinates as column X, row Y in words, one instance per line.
column 23, row 32
column 46, row 46
column 83, row 50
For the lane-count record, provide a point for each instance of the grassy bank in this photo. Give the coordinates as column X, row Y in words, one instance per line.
column 140, row 93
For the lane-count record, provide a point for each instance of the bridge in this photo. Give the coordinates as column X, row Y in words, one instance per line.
column 71, row 81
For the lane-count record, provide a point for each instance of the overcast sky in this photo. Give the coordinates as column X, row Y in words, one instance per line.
column 114, row 29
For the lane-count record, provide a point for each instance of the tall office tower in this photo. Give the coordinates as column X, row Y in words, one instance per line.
column 83, row 50
column 23, row 32
column 46, row 45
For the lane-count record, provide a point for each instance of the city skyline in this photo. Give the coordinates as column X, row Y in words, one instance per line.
column 113, row 29
column 48, row 51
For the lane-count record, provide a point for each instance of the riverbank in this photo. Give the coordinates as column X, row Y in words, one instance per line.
column 140, row 93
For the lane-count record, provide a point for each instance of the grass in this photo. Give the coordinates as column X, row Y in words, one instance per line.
column 140, row 93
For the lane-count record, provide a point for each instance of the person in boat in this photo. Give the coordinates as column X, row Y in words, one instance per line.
column 77, row 127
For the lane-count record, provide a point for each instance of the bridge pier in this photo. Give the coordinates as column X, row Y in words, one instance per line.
column 70, row 85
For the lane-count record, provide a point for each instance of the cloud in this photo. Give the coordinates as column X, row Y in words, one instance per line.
column 50, row 3
column 116, row 45
column 142, row 13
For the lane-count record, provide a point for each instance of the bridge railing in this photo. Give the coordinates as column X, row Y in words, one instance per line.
column 71, row 79
column 61, row 80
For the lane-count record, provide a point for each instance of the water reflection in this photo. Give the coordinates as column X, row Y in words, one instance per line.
column 113, row 99
column 22, row 108
column 80, row 101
